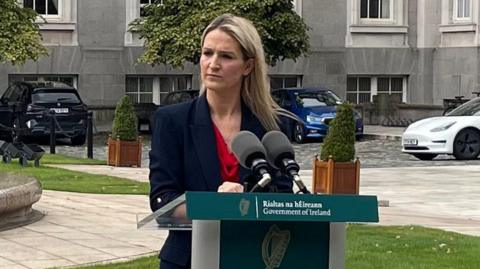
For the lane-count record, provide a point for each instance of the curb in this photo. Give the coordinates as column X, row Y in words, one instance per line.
column 383, row 137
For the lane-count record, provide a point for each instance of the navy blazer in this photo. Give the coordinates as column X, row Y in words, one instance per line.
column 183, row 157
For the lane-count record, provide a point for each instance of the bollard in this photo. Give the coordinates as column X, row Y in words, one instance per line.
column 89, row 135
column 52, row 131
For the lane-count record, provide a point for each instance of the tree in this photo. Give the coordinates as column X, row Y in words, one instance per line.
column 172, row 31
column 20, row 39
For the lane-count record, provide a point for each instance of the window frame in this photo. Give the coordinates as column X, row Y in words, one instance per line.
column 357, row 89
column 374, row 86
column 137, row 91
column 47, row 16
column 369, row 20
column 297, row 6
column 42, row 77
column 157, row 90
column 141, row 6
column 284, row 77
column 455, row 11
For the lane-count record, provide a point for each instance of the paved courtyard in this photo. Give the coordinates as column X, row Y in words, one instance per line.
column 373, row 153
column 83, row 228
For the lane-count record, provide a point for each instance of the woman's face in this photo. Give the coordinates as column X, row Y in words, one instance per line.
column 222, row 62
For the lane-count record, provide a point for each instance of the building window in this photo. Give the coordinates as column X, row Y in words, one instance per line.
column 173, row 83
column 361, row 89
column 358, row 90
column 144, row 3
column 140, row 89
column 278, row 82
column 375, row 9
column 461, row 9
column 42, row 7
column 154, row 89
column 390, row 85
column 70, row 80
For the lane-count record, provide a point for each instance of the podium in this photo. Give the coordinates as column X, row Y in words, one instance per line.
column 266, row 230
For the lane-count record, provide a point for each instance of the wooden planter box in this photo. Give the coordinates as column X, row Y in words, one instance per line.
column 124, row 153
column 336, row 177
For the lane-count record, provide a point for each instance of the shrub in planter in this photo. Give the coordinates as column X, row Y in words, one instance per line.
column 124, row 145
column 336, row 172
column 340, row 140
column 125, row 121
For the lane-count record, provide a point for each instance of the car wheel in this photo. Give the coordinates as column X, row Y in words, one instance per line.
column 425, row 156
column 466, row 145
column 298, row 133
column 78, row 140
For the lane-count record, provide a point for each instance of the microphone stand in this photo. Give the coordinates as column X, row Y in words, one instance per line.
column 298, row 181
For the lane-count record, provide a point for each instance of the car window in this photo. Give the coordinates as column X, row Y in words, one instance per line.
column 55, row 97
column 7, row 93
column 15, row 94
column 286, row 102
column 276, row 97
column 184, row 97
column 179, row 97
column 175, row 97
column 23, row 90
column 282, row 99
column 470, row 108
column 315, row 99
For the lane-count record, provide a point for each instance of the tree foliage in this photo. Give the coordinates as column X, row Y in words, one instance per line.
column 125, row 121
column 172, row 31
column 20, row 39
column 340, row 140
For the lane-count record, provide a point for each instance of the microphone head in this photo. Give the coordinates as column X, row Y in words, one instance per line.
column 247, row 147
column 278, row 147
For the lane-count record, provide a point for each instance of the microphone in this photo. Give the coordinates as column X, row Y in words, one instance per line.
column 252, row 155
column 281, row 156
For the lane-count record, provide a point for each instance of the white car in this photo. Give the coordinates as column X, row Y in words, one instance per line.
column 456, row 133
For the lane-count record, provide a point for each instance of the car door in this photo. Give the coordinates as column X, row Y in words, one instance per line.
column 18, row 105
column 282, row 99
column 6, row 112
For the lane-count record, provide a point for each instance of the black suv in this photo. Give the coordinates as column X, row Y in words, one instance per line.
column 145, row 111
column 25, row 108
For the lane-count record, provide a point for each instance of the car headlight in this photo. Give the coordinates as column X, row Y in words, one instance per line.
column 443, row 127
column 31, row 123
column 311, row 118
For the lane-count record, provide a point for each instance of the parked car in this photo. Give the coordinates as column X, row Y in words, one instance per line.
column 24, row 107
column 145, row 111
column 457, row 133
column 316, row 107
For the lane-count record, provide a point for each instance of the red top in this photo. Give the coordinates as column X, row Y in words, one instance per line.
column 229, row 169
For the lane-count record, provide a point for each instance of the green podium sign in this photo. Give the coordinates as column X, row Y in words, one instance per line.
column 273, row 230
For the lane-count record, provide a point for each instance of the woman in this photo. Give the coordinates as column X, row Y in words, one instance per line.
column 191, row 141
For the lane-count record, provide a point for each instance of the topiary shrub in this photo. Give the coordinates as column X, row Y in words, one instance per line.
column 125, row 121
column 340, row 140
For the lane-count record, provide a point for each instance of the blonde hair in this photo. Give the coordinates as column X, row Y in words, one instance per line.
column 255, row 90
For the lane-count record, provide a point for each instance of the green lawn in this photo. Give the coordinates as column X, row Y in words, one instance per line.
column 395, row 247
column 410, row 247
column 150, row 262
column 66, row 180
column 63, row 159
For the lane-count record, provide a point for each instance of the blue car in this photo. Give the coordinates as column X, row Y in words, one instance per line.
column 316, row 107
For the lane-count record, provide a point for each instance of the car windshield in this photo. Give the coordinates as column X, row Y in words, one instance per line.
column 55, row 97
column 470, row 108
column 314, row 99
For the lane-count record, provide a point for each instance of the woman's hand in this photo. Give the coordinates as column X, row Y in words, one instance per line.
column 180, row 211
column 230, row 187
